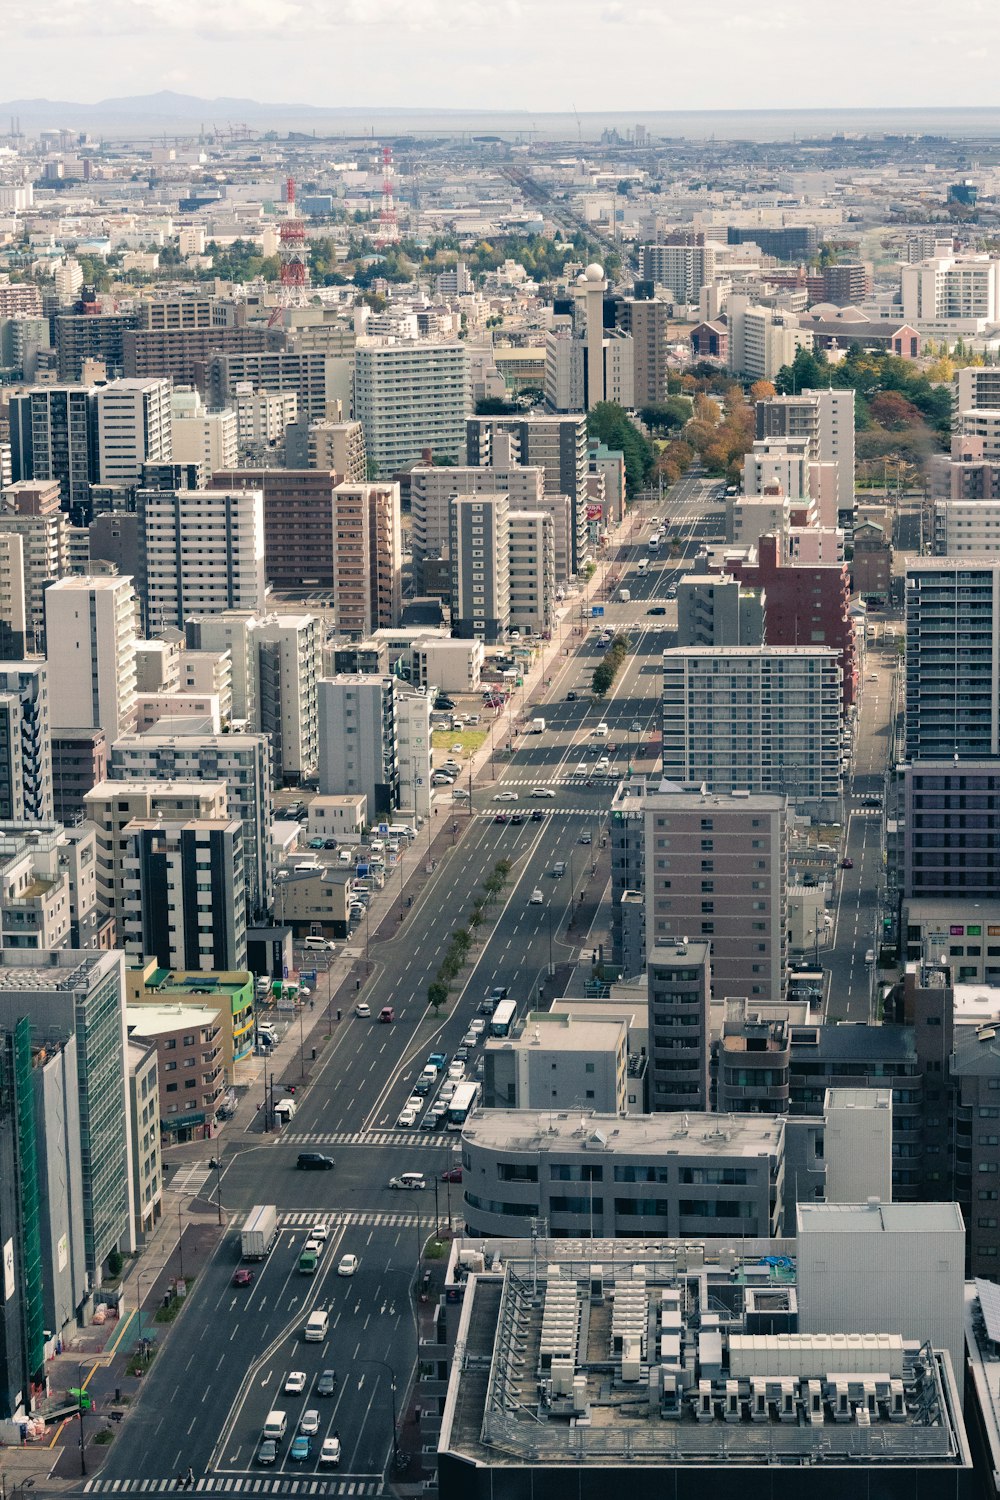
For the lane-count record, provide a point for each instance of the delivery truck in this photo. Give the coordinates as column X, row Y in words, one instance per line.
column 537, row 726
column 259, row 1232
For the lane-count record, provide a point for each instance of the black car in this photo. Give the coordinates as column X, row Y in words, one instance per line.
column 571, row 696
column 517, row 818
column 537, row 816
column 657, row 609
column 315, row 1161
column 326, row 1385
column 329, row 843
column 442, row 704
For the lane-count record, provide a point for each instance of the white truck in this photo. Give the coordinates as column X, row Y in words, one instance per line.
column 537, row 726
column 259, row 1232
column 624, row 596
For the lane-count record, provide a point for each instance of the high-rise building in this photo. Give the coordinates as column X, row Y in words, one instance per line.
column 410, row 397
column 79, row 762
column 339, row 446
column 557, row 444
column 184, row 893
column 431, row 490
column 243, row 761
column 262, row 418
column 682, row 270
column 89, row 336
column 13, row 616
column 413, row 752
column 25, row 744
column 951, row 833
column 62, row 994
column 182, row 354
column 825, row 420
column 952, row 658
column 298, row 522
column 53, row 436
column 647, row 320
column 755, row 719
column 310, row 374
column 201, row 551
column 717, row 610
column 762, row 339
column 358, row 751
column 199, row 436
column 91, row 626
column 679, row 986
column 133, row 428
column 32, row 519
column 288, row 661
column 951, row 293
column 531, row 570
column 480, row 566
column 235, row 633
column 367, row 567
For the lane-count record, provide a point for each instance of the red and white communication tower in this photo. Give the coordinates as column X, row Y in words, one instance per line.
column 292, row 249
column 388, row 224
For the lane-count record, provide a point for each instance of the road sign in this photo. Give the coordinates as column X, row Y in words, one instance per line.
column 596, row 611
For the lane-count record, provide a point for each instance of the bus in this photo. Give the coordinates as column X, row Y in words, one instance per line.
column 654, row 542
column 644, row 567
column 502, row 1019
column 463, row 1102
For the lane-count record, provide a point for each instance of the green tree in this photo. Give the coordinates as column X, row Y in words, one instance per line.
column 437, row 995
column 603, row 679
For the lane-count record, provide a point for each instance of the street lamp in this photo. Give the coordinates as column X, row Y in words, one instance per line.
column 392, row 1390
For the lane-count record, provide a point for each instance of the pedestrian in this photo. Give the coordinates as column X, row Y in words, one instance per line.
column 179, row 1482
column 189, row 1481
column 357, row 985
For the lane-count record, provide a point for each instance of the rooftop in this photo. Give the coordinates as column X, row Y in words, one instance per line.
column 158, row 1020
column 692, row 1134
column 880, row 1218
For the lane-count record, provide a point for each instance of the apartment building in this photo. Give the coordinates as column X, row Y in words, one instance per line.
column 479, row 549
column 413, row 752
column 92, row 670
column 133, row 427
column 199, row 436
column 758, row 719
column 298, row 522
column 26, row 794
column 48, row 887
column 234, row 635
column 184, row 354
column 311, row 375
column 431, row 491
column 718, row 610
column 824, row 421
column 183, row 887
column 762, row 339
column 967, row 527
column 532, row 571
column 79, row 762
column 189, row 1049
column 287, row 670
column 53, row 437
column 31, row 513
column 243, row 761
column 411, row 397
column 262, row 418
column 339, row 446
column 951, row 293
column 679, row 987
column 681, row 270
column 559, row 1061
column 557, row 444
column 201, row 552
column 81, row 338
column 358, row 752
column 952, row 658
column 367, row 566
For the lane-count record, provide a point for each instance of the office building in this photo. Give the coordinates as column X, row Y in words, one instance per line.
column 339, row 446
column 358, row 751
column 288, row 665
column 479, row 549
column 199, row 436
column 112, row 805
column 755, row 719
column 531, row 571
column 183, row 894
column 26, row 794
column 762, row 339
column 201, row 552
column 65, row 993
column 559, row 1062
column 53, row 437
column 952, row 658
column 243, row 761
column 557, row 444
column 132, row 428
column 367, row 566
column 92, row 670
column 85, row 337
column 411, row 397
column 298, row 522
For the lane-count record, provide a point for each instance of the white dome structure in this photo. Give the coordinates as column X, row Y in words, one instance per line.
column 594, row 272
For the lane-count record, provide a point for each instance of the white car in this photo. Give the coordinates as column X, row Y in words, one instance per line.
column 309, row 1423
column 505, row 797
column 581, row 769
column 296, row 1383
column 477, row 1027
column 536, row 898
column 348, row 1265
column 320, row 1232
column 362, row 1010
column 414, row 1104
column 407, row 1119
column 330, row 1451
column 543, row 791
column 456, row 1072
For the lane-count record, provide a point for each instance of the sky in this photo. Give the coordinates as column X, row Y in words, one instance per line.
column 535, row 55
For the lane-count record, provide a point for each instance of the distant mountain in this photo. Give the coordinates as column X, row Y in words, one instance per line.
column 153, row 110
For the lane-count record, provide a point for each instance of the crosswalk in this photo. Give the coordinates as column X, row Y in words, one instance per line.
column 247, row 1484
column 407, row 1138
column 301, row 1219
column 190, row 1179
column 562, row 812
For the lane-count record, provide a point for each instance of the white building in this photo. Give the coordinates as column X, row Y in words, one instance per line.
column 531, row 562
column 411, row 397
column 202, row 437
column 755, row 719
column 262, row 416
column 479, row 550
column 431, row 491
column 201, row 551
column 413, row 749
column 762, row 339
column 957, row 294
column 357, row 740
column 133, row 428
column 288, row 653
column 91, row 625
column 966, row 526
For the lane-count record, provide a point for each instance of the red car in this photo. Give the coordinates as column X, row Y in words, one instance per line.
column 453, row 1174
column 847, row 864
column 242, row 1277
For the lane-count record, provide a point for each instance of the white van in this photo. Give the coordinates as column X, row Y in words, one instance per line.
column 602, row 731
column 316, row 1327
column 275, row 1426
column 317, row 944
column 401, row 831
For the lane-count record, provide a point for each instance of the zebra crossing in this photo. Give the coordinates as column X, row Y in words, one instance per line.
column 250, row 1484
column 352, row 1219
column 408, row 1138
